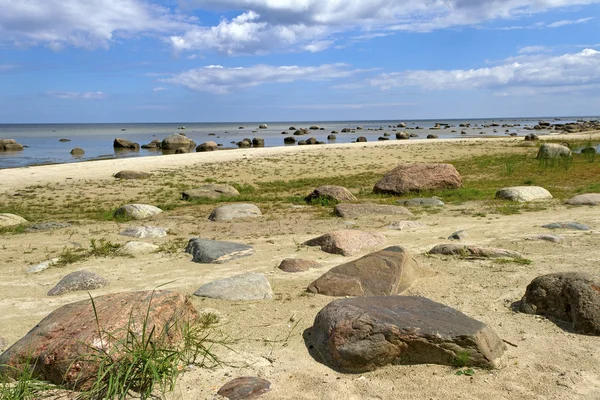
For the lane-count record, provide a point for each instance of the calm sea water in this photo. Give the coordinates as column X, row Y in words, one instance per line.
column 44, row 147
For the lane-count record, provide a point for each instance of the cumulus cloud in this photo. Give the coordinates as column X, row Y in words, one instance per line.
column 217, row 79
column 77, row 95
column 526, row 73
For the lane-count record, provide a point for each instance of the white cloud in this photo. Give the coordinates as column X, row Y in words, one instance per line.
column 217, row 79
column 524, row 74
column 558, row 24
column 159, row 89
column 533, row 49
column 77, row 95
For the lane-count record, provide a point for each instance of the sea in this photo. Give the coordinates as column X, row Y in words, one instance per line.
column 43, row 143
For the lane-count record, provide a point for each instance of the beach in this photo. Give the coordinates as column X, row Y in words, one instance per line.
column 543, row 360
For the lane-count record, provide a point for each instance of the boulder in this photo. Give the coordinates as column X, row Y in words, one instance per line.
column 248, row 286
column 244, row 388
column 331, row 137
column 364, row 333
column 473, row 251
column 72, row 333
column 523, row 193
column 422, row 202
column 10, row 145
column 402, row 135
column 567, row 225
column 331, row 192
column 207, row 146
column 77, row 152
column 125, row 144
column 263, row 126
column 258, row 142
column 358, row 210
column 176, row 141
column 137, row 248
column 211, row 191
column 136, row 211
column 78, row 280
column 244, row 144
column 126, row 174
column 216, row 252
column 587, row 199
column 432, row 136
column 347, row 242
column 408, row 178
column 46, row 226
column 7, row 220
column 361, row 139
column 553, row 150
column 384, row 273
column 289, row 139
column 297, row 265
column 571, row 297
column 235, row 211
column 532, row 137
column 141, row 232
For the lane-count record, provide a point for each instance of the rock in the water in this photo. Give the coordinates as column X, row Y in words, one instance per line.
column 10, row 145
column 458, row 235
column 235, row 211
column 523, row 193
column 176, row 141
column 141, row 232
column 567, row 225
column 44, row 265
column 473, row 251
column 46, row 226
column 422, row 202
column 207, row 146
column 216, row 252
column 587, row 199
column 7, row 220
column 553, row 150
column 125, row 144
column 126, row 174
column 263, row 126
column 408, row 178
column 346, row 241
column 71, row 333
column 384, row 273
column 77, row 152
column 137, row 248
column 211, row 191
column 402, row 225
column 248, row 286
column 244, row 388
column 567, row 296
column 357, row 210
column 364, row 333
column 331, row 192
column 136, row 211
column 78, row 280
column 297, row 265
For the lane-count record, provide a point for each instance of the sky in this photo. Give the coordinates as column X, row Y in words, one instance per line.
column 78, row 61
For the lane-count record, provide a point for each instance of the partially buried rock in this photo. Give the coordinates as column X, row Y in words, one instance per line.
column 419, row 177
column 331, row 192
column 78, row 280
column 458, row 235
column 346, row 241
column 136, row 211
column 72, row 333
column 137, row 248
column 244, row 388
column 297, row 265
column 249, row 286
column 141, row 232
column 547, row 238
column 358, row 210
column 523, row 193
column 216, row 252
column 567, row 225
column 211, row 191
column 422, row 202
column 2, row 343
column 567, row 296
column 365, row 333
column 7, row 220
column 126, row 174
column 384, row 273
column 207, row 146
column 235, row 211
column 587, row 199
column 473, row 251
column 553, row 150
column 47, row 226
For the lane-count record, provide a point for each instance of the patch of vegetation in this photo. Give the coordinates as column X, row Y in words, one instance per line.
column 69, row 255
column 323, row 201
column 98, row 248
column 103, row 248
column 24, row 386
column 461, row 359
column 520, row 260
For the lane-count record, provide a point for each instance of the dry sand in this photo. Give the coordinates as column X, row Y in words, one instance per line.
column 548, row 362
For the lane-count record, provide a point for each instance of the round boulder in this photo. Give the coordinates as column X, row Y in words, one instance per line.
column 207, row 146
column 331, row 192
column 136, row 211
column 523, row 193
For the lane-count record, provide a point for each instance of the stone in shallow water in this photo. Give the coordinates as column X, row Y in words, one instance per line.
column 567, row 225
column 244, row 388
column 78, row 280
column 249, row 286
column 216, row 252
column 141, row 232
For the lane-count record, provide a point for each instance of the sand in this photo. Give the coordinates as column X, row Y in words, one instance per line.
column 547, row 361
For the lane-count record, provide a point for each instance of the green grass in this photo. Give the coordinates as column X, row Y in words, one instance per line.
column 461, row 359
column 24, row 385
column 98, row 248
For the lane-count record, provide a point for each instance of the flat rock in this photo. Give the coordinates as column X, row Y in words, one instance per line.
column 248, row 286
column 216, row 252
column 547, row 238
column 141, row 232
column 403, row 225
column 46, row 226
column 365, row 333
column 71, row 332
column 44, row 265
column 235, row 211
column 587, row 199
column 473, row 251
column 244, row 388
column 212, row 191
column 567, row 225
column 358, row 210
column 331, row 192
column 297, row 265
column 137, row 248
column 458, row 235
column 419, row 177
column 137, row 211
column 78, row 280
column 523, row 193
column 7, row 220
column 347, row 241
column 571, row 297
column 384, row 273
column 552, row 150
column 422, row 202
column 126, row 174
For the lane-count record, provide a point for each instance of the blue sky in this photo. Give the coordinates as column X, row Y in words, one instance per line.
column 296, row 60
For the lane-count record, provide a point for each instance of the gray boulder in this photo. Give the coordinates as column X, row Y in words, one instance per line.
column 567, row 225
column 258, row 142
column 10, row 145
column 136, row 211
column 235, row 211
column 357, row 210
column 553, row 150
column 331, row 192
column 523, row 193
column 176, row 141
column 7, row 220
column 422, row 202
column 248, row 286
column 473, row 251
column 419, row 177
column 126, row 174
column 211, row 191
column 47, row 226
column 297, row 265
column 587, row 199
column 141, row 232
column 347, row 242
column 365, row 333
column 263, row 126
column 216, row 252
column 78, row 280
column 402, row 135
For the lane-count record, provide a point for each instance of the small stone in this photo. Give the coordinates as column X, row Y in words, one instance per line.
column 211, row 191
column 137, row 211
column 235, row 211
column 248, row 286
column 244, row 388
column 44, row 265
column 297, row 265
column 523, row 193
column 473, row 251
column 587, row 199
column 567, row 225
column 141, row 232
column 78, row 280
column 422, row 202
column 126, row 174
column 216, row 252
column 46, row 226
column 458, row 235
column 331, row 192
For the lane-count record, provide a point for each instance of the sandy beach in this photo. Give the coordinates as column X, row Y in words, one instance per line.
column 544, row 361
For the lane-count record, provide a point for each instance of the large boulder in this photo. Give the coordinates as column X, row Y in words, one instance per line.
column 365, row 333
column 384, row 273
column 11, row 220
column 216, row 252
column 127, row 174
column 263, row 126
column 347, row 242
column 125, row 144
column 464, row 250
column 10, row 145
column 358, row 210
column 408, row 178
column 248, row 286
column 207, row 146
column 553, row 150
column 235, row 211
column 566, row 296
column 77, row 152
column 136, row 211
column 331, row 192
column 61, row 348
column 587, row 199
column 78, row 280
column 177, row 142
column 523, row 193
column 210, row 191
